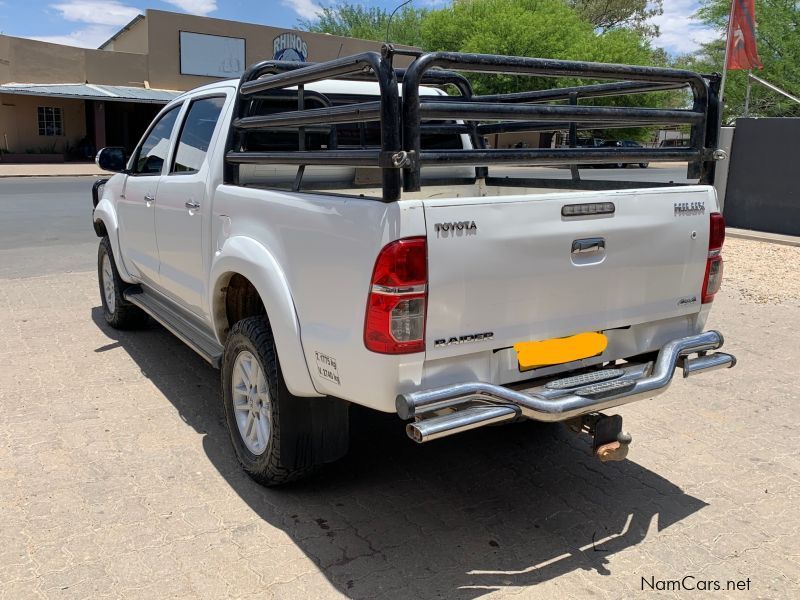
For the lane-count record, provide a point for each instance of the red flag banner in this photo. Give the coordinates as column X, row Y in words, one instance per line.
column 742, row 50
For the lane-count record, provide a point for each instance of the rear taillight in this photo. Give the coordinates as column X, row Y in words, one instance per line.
column 395, row 322
column 716, row 238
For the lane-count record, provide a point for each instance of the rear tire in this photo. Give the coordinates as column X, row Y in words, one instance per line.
column 644, row 165
column 118, row 312
column 277, row 437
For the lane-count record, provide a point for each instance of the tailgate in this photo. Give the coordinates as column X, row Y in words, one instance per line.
column 525, row 272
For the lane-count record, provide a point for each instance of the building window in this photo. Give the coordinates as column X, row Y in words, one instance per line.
column 51, row 121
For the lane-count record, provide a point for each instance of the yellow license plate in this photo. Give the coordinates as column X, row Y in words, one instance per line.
column 559, row 350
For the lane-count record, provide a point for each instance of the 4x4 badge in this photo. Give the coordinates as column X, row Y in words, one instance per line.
column 685, row 209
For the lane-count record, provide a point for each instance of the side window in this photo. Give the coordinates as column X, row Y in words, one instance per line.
column 154, row 150
column 195, row 136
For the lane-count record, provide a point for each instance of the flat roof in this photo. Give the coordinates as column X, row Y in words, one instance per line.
column 90, row 91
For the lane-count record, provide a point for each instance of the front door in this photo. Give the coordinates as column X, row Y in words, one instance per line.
column 181, row 208
column 136, row 205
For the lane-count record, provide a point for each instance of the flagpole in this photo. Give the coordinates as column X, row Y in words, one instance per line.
column 725, row 64
column 747, row 95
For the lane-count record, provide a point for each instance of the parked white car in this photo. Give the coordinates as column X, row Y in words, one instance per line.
column 264, row 223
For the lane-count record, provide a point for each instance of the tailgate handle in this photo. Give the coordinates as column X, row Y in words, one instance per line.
column 588, row 246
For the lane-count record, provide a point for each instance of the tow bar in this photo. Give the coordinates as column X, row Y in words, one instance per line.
column 609, row 442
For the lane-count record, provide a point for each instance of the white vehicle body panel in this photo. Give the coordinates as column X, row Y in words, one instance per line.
column 182, row 233
column 137, row 238
column 515, row 275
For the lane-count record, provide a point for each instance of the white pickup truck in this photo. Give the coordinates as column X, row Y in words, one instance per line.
column 324, row 237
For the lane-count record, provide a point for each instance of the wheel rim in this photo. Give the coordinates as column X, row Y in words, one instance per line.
column 251, row 402
column 108, row 284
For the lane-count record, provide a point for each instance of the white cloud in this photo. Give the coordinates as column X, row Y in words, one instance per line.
column 88, row 37
column 195, row 7
column 681, row 33
column 306, row 9
column 97, row 12
column 102, row 18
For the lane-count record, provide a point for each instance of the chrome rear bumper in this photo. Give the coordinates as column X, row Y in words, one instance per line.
column 444, row 411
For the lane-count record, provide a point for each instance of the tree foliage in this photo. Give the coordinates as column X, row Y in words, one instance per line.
column 603, row 30
column 600, row 30
column 369, row 23
column 778, row 24
column 541, row 28
column 613, row 14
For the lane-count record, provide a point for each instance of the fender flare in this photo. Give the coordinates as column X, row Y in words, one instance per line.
column 250, row 259
column 105, row 213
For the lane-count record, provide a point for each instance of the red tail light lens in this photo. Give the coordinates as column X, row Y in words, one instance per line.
column 714, row 269
column 717, row 235
column 395, row 322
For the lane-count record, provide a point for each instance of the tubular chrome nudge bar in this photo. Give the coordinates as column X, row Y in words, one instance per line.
column 552, row 404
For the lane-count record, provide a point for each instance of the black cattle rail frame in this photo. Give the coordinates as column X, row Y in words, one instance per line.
column 403, row 119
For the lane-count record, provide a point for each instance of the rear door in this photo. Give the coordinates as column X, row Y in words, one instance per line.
column 136, row 204
column 181, row 211
column 523, row 269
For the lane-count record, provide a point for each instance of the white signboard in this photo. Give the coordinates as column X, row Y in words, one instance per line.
column 211, row 55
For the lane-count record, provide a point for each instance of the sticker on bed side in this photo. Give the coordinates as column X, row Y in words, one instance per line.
column 326, row 367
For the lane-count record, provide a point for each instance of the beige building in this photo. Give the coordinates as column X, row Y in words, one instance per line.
column 64, row 101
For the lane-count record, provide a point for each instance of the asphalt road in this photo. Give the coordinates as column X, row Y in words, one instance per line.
column 45, row 226
column 45, row 222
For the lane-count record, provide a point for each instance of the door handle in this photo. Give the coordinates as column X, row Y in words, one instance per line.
column 148, row 199
column 191, row 205
column 588, row 246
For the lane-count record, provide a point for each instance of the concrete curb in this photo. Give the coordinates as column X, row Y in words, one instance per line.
column 763, row 236
column 86, row 169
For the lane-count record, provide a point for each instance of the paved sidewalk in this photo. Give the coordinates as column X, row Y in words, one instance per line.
column 117, row 479
column 51, row 170
column 763, row 236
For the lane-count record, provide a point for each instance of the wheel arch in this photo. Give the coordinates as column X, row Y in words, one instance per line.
column 244, row 262
column 104, row 221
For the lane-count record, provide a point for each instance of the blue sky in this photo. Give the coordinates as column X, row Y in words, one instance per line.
column 88, row 23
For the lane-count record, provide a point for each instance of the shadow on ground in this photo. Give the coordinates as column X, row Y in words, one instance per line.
column 505, row 506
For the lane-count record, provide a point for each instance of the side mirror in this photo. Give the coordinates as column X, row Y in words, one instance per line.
column 111, row 159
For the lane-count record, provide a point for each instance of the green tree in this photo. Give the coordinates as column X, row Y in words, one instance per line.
column 368, row 23
column 539, row 28
column 778, row 23
column 614, row 14
column 542, row 28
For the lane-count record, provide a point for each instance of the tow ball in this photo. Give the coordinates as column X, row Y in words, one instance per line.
column 609, row 442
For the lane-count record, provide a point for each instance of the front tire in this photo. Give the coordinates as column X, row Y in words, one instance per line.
column 118, row 312
column 277, row 437
column 644, row 165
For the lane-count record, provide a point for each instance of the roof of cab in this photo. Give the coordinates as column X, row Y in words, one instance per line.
column 326, row 86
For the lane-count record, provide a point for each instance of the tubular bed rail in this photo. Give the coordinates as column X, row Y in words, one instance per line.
column 404, row 118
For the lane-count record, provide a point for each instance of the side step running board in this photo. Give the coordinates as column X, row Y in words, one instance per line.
column 189, row 333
